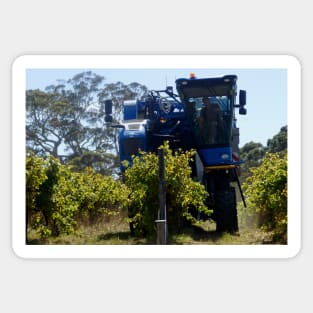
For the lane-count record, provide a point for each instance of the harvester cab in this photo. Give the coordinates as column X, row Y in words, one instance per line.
column 209, row 105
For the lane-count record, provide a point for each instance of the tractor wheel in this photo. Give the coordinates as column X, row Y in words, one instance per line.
column 225, row 211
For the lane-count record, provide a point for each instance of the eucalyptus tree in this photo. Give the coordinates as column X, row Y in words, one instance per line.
column 67, row 120
column 279, row 142
column 46, row 121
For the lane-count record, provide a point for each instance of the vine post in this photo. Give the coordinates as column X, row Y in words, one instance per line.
column 161, row 222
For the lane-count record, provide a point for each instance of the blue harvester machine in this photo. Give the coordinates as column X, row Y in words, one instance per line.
column 200, row 116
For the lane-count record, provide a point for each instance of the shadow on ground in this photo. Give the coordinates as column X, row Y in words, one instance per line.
column 117, row 235
column 197, row 234
column 194, row 233
column 35, row 241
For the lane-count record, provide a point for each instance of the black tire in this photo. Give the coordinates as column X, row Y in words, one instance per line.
column 225, row 211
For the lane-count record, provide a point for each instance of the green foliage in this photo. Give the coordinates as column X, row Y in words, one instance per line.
column 35, row 176
column 266, row 194
column 55, row 207
column 67, row 120
column 58, row 198
column 183, row 194
column 101, row 162
column 279, row 142
column 252, row 153
column 99, row 195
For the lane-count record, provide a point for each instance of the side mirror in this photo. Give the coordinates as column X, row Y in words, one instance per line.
column 242, row 102
column 108, row 119
column 108, row 107
column 242, row 97
column 242, row 111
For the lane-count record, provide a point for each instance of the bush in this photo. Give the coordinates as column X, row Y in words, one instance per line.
column 57, row 198
column 266, row 194
column 99, row 195
column 182, row 193
column 35, row 176
column 55, row 205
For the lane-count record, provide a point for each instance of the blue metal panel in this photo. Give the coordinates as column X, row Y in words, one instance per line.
column 130, row 142
column 130, row 110
column 216, row 156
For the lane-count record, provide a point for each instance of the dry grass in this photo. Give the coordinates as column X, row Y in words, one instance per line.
column 115, row 231
column 112, row 231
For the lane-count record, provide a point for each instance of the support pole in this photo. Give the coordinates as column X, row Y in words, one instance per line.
column 239, row 186
column 161, row 222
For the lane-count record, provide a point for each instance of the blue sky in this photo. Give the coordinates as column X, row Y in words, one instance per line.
column 266, row 91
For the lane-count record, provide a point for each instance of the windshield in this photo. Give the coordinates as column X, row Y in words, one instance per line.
column 210, row 119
